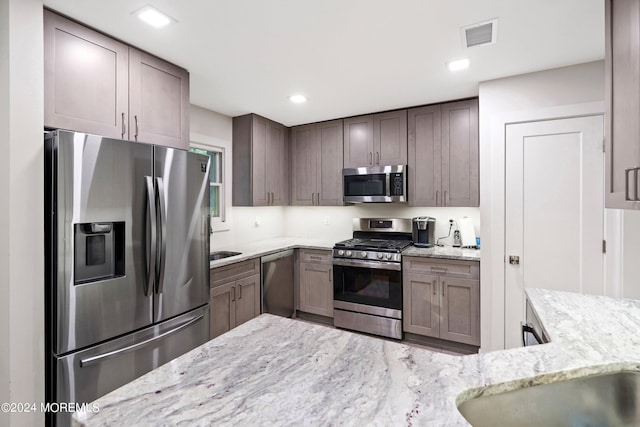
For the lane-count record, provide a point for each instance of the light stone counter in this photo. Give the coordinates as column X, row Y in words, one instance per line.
column 273, row 371
column 446, row 252
column 269, row 246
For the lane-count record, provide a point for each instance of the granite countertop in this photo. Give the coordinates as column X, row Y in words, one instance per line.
column 276, row 371
column 268, row 246
column 445, row 252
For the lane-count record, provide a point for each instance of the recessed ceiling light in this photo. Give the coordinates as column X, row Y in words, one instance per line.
column 458, row 65
column 153, row 16
column 298, row 99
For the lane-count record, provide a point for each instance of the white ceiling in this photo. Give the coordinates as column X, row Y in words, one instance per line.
column 348, row 56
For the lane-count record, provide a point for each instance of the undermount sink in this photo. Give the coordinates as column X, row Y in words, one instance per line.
column 601, row 400
column 222, row 254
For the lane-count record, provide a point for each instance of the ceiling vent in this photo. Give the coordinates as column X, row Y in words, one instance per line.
column 480, row 34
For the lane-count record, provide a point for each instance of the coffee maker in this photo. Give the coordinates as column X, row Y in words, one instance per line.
column 423, row 228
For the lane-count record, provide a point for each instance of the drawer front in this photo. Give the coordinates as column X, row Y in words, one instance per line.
column 316, row 256
column 232, row 272
column 442, row 267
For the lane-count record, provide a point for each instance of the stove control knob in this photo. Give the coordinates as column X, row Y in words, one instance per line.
column 363, row 254
column 388, row 256
column 348, row 253
column 379, row 256
column 340, row 252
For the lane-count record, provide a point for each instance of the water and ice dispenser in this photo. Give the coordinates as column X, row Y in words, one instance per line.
column 99, row 251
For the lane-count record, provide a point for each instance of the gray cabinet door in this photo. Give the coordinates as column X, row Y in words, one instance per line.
column 316, row 289
column 158, row 101
column 259, row 153
column 459, row 310
column 89, row 95
column 222, row 309
column 421, row 300
column 460, row 156
column 358, row 141
column 425, row 156
column 622, row 93
column 260, row 162
column 303, row 165
column 329, row 167
column 390, row 138
column 247, row 299
column 277, row 164
column 317, row 164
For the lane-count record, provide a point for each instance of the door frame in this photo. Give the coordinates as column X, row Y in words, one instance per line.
column 492, row 216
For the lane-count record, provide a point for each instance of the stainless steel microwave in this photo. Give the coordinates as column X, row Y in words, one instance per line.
column 376, row 184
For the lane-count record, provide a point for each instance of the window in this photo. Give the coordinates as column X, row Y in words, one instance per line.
column 216, row 182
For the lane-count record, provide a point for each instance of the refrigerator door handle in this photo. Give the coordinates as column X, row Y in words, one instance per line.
column 163, row 234
column 105, row 356
column 151, row 256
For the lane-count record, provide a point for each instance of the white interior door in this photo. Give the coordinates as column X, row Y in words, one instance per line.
column 554, row 211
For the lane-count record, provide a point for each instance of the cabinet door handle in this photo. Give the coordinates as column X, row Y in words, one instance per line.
column 439, row 269
column 377, row 157
column 370, row 157
column 627, row 171
column 317, row 199
column 233, row 297
column 435, row 287
column 443, row 288
column 239, row 291
column 123, row 128
column 136, row 120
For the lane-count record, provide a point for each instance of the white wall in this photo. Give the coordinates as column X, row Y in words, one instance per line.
column 336, row 222
column 567, row 91
column 21, row 218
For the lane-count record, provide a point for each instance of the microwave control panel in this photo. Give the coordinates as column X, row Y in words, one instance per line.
column 396, row 184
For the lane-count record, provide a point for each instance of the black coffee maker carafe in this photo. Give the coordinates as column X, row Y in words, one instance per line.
column 423, row 228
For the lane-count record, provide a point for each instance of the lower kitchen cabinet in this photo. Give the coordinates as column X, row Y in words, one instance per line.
column 234, row 297
column 315, row 282
column 441, row 299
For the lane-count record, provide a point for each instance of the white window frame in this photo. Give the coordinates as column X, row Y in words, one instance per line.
column 212, row 144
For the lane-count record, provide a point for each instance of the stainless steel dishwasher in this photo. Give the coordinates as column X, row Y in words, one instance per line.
column 277, row 283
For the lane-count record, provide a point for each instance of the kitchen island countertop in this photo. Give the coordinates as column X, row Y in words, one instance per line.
column 276, row 371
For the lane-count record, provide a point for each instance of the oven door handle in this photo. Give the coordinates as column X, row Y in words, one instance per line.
column 379, row 265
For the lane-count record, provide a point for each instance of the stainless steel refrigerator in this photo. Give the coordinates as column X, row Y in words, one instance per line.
column 127, row 248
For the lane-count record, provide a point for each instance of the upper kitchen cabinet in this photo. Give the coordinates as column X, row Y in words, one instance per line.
column 425, row 156
column 443, row 155
column 86, row 79
column 260, row 162
column 316, row 164
column 95, row 84
column 622, row 107
column 460, row 154
column 158, row 101
column 376, row 140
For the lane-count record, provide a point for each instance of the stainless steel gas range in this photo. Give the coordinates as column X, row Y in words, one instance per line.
column 367, row 276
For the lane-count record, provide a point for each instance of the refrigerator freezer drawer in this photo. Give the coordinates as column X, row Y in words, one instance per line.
column 89, row 374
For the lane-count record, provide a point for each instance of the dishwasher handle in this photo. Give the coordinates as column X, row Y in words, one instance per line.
column 276, row 256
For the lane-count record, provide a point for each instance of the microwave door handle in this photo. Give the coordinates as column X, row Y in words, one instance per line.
column 163, row 234
column 387, row 183
column 152, row 226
